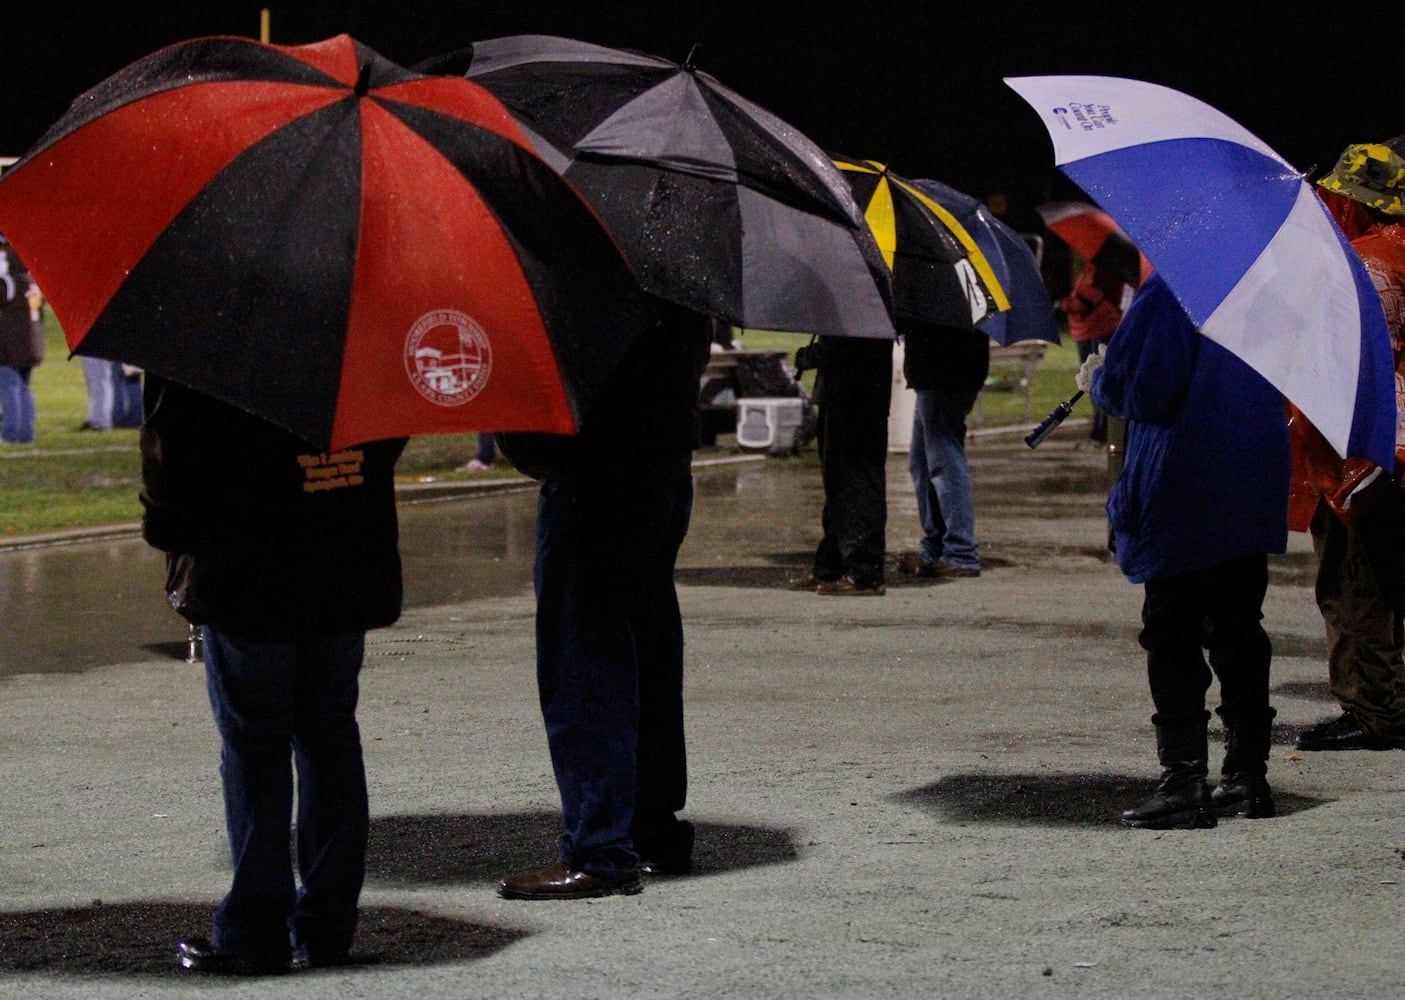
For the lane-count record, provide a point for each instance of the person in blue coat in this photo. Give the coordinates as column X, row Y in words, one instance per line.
column 1200, row 503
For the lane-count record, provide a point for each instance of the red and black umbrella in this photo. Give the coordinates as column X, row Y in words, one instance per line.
column 342, row 246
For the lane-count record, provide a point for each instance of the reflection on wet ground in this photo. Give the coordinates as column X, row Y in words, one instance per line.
column 755, row 524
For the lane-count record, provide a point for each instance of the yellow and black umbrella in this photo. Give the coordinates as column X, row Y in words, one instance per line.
column 940, row 275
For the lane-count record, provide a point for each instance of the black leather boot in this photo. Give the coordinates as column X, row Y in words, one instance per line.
column 1243, row 789
column 1181, row 801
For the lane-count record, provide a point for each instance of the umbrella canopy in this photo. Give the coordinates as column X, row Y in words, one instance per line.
column 1095, row 236
column 1245, row 245
column 1031, row 314
column 346, row 248
column 717, row 204
column 940, row 274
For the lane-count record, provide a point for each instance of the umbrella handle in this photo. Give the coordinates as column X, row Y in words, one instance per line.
column 1046, row 426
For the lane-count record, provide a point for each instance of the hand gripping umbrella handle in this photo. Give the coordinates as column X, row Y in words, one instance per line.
column 1047, row 425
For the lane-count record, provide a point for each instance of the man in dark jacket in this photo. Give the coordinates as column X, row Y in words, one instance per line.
column 613, row 511
column 285, row 556
column 947, row 368
column 1200, row 503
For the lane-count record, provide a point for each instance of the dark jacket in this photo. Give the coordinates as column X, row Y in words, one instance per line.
column 21, row 338
column 946, row 358
column 644, row 420
column 265, row 536
column 1205, row 479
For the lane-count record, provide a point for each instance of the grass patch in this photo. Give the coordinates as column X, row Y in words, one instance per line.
column 78, row 479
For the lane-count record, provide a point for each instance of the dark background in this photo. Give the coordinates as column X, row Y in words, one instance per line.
column 915, row 84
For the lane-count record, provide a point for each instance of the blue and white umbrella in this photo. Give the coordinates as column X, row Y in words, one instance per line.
column 1031, row 314
column 1245, row 245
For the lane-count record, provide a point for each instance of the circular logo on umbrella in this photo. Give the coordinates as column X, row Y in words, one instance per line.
column 448, row 357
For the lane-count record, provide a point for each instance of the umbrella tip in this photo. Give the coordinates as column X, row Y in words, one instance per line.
column 688, row 63
column 363, row 81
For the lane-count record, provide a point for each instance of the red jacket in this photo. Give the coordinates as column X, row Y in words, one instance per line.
column 1318, row 473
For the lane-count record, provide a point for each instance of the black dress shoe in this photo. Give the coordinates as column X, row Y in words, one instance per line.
column 199, row 955
column 668, row 853
column 557, row 881
column 1343, row 733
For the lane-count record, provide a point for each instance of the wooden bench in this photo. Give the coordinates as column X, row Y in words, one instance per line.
column 1012, row 369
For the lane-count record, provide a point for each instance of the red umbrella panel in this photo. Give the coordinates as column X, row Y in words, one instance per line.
column 1095, row 236
column 344, row 247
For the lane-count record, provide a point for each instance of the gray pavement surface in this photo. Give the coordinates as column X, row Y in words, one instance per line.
column 907, row 796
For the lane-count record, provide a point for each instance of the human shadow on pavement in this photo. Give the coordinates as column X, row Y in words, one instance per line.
column 139, row 938
column 1049, row 799
column 788, row 570
column 453, row 849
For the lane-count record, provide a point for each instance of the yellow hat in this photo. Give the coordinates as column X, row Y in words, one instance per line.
column 1372, row 174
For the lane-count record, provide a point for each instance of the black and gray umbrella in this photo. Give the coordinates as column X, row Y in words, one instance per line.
column 716, row 203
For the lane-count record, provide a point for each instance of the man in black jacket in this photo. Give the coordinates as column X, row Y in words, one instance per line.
column 286, row 557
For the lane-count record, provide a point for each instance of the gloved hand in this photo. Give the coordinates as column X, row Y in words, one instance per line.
column 1094, row 361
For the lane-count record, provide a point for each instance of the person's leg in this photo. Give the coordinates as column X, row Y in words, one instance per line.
column 251, row 694
column 829, row 562
column 928, row 507
column 1359, row 592
column 587, row 670
column 663, row 842
column 333, row 814
column 1240, row 653
column 1173, row 620
column 856, row 489
column 951, row 477
column 11, row 406
column 28, row 411
column 97, row 376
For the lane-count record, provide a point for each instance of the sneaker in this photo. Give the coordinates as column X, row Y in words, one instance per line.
column 916, row 564
column 475, row 466
column 845, row 587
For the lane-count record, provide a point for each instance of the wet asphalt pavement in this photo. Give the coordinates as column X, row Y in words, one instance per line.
column 913, row 795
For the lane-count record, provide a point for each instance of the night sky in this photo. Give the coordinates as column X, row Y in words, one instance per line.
column 914, row 84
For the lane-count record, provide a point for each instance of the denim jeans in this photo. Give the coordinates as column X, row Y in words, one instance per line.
column 941, row 477
column 97, row 376
column 610, row 659
column 16, row 406
column 276, row 702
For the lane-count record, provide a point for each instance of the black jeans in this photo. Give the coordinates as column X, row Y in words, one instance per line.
column 1219, row 610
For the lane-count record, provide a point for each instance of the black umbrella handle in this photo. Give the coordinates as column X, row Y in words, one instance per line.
column 1046, row 426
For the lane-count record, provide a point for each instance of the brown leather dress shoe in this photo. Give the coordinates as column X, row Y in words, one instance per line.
column 556, row 881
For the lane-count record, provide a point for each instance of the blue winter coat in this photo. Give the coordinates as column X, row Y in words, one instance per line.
column 1206, row 473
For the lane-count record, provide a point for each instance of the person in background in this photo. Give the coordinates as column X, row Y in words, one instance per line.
column 126, row 395
column 853, row 392
column 285, row 568
column 1093, row 309
column 485, row 457
column 946, row 368
column 1355, row 510
column 609, row 632
column 1201, row 501
column 21, row 347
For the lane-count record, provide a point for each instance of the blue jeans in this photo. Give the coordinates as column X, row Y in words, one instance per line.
column 610, row 659
column 941, row 477
column 97, row 376
column 272, row 702
column 16, row 406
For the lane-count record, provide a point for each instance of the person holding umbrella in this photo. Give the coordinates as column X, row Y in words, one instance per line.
column 613, row 511
column 285, row 556
column 1354, row 509
column 1200, row 502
